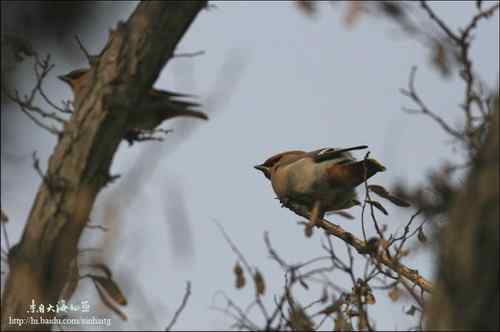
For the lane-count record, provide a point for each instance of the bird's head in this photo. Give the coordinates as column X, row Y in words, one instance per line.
column 73, row 77
column 271, row 163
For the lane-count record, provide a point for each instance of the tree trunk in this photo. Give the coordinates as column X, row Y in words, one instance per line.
column 467, row 287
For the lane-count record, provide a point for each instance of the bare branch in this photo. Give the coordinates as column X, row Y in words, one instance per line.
column 187, row 294
column 472, row 134
column 440, row 22
column 99, row 227
column 364, row 248
column 188, row 54
column 273, row 252
column 235, row 249
column 486, row 13
column 26, row 104
column 412, row 94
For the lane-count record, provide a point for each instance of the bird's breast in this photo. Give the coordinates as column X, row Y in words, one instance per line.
column 306, row 181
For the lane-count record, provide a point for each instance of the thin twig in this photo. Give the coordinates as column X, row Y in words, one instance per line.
column 242, row 316
column 482, row 14
column 187, row 294
column 86, row 250
column 90, row 58
column 412, row 94
column 100, row 227
column 36, row 166
column 440, row 22
column 235, row 249
column 273, row 252
column 277, row 310
column 411, row 291
column 248, row 268
column 6, row 237
column 462, row 42
column 23, row 109
column 41, row 68
column 46, row 67
column 188, row 54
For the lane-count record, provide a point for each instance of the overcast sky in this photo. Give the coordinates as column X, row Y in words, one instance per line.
column 271, row 79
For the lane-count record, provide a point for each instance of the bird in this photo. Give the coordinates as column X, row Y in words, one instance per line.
column 322, row 180
column 154, row 107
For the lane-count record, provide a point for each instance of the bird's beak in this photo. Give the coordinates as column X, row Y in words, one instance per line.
column 260, row 168
column 63, row 78
column 264, row 170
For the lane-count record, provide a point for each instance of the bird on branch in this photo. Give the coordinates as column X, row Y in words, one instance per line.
column 323, row 180
column 155, row 106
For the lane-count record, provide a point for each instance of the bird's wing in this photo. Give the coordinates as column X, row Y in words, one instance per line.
column 173, row 104
column 341, row 154
column 176, row 99
column 354, row 173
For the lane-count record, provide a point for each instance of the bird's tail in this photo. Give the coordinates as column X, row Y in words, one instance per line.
column 173, row 113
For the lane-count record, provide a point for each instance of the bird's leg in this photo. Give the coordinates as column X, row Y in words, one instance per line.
column 316, row 214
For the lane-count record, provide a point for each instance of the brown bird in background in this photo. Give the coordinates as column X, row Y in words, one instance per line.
column 323, row 180
column 154, row 108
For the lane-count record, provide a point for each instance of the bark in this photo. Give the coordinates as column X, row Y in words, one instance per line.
column 79, row 167
column 467, row 287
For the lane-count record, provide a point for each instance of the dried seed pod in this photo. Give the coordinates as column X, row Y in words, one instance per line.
column 394, row 293
column 108, row 303
column 111, row 289
column 421, row 236
column 240, row 277
column 260, row 285
column 3, row 217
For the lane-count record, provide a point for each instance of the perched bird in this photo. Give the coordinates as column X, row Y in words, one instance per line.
column 76, row 79
column 154, row 108
column 323, row 180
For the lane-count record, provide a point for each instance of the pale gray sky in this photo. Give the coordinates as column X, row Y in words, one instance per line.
column 288, row 82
